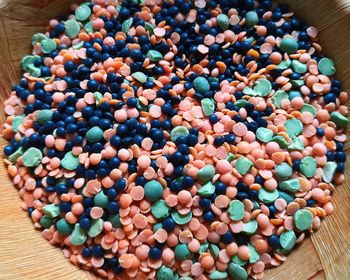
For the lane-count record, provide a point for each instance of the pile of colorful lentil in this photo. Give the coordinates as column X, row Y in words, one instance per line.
column 177, row 139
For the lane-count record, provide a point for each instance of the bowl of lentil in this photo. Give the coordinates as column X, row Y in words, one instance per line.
column 26, row 255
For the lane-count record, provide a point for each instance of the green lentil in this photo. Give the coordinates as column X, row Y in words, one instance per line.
column 88, row 27
column 182, row 252
column 230, row 157
column 302, row 219
column 44, row 116
column 153, row 190
column 218, row 275
column 38, row 38
column 241, row 103
column 177, row 132
column 78, row 236
column 308, row 108
column 297, row 83
column 63, row 227
column 236, row 210
column 243, row 165
column 339, row 119
column 328, row 171
column 237, row 272
column 34, row 71
column 326, row 66
column 308, row 166
column 203, row 247
column 51, row 210
column 262, row 87
column 96, row 228
column 208, row 106
column 288, row 239
column 214, row 250
column 250, row 227
column 181, row 219
column 115, row 220
column 223, row 21
column 72, row 28
column 160, row 209
column 149, row 28
column 206, row 190
column 299, row 67
column 267, row 196
column 264, row 134
column 294, row 127
column 46, row 222
column 98, row 97
column 278, row 97
column 94, row 134
column 206, row 173
column 32, row 157
column 157, row 226
column 294, row 93
column 154, row 55
column 291, row 185
column 201, row 85
column 82, row 13
column 254, row 255
column 140, row 76
column 283, row 170
column 296, row 145
column 17, row 121
column 286, row 196
column 101, row 200
column 285, row 64
column 238, row 261
column 48, row 45
column 280, row 140
column 289, row 45
column 251, row 18
column 14, row 156
column 126, row 25
column 70, row 162
column 250, row 91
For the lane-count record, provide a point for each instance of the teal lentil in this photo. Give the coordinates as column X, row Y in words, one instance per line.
column 251, row 18
column 153, row 190
column 182, row 252
column 223, row 21
column 237, row 272
column 63, row 227
column 94, row 134
column 289, row 45
column 201, row 85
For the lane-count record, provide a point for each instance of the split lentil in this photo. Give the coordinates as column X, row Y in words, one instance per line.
column 176, row 139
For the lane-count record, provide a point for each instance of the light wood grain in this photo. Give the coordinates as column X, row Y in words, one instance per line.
column 25, row 255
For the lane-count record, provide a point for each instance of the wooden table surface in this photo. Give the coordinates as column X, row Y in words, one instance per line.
column 25, row 255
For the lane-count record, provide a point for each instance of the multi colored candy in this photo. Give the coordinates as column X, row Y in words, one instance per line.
column 177, row 139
